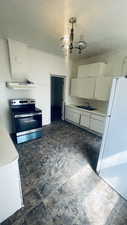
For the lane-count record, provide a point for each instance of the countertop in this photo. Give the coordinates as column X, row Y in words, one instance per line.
column 98, row 112
column 8, row 152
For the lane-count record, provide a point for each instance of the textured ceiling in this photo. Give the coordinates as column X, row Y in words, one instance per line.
column 41, row 23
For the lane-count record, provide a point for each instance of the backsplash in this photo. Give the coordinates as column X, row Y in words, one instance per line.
column 99, row 105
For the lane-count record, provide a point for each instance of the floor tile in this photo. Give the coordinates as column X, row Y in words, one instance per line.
column 59, row 184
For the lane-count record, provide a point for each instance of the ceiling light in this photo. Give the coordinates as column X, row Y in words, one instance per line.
column 68, row 40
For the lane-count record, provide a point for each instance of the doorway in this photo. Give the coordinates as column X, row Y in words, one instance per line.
column 57, row 98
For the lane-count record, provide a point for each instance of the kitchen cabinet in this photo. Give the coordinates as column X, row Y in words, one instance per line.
column 86, row 87
column 10, row 185
column 85, row 119
column 91, row 82
column 97, row 123
column 10, row 190
column 91, row 70
column 102, row 88
column 83, row 88
column 18, row 59
column 72, row 115
column 92, row 88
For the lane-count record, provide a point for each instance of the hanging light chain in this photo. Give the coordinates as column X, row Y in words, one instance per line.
column 81, row 44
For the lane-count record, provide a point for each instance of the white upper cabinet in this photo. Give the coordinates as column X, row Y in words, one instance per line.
column 91, row 70
column 86, row 87
column 18, row 59
column 83, row 88
column 91, row 82
column 92, row 88
column 102, row 88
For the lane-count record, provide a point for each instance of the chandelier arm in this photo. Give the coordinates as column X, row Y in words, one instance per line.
column 81, row 44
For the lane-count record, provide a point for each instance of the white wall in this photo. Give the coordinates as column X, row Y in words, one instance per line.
column 40, row 66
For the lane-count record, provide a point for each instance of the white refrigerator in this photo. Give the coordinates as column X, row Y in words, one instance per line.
column 112, row 162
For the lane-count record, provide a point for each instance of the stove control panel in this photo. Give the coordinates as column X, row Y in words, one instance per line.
column 21, row 102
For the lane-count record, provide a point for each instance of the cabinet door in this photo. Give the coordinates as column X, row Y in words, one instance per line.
column 85, row 119
column 102, row 88
column 91, row 70
column 67, row 113
column 10, row 190
column 75, row 117
column 72, row 115
column 86, row 88
column 97, row 123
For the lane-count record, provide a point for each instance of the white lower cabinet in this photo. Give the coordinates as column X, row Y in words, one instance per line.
column 97, row 123
column 10, row 190
column 85, row 119
column 72, row 115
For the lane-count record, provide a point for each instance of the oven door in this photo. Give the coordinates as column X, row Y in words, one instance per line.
column 30, row 121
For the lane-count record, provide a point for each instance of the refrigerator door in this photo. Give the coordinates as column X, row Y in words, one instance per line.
column 111, row 100
column 112, row 164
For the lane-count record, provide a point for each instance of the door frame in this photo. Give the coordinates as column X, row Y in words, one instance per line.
column 64, row 85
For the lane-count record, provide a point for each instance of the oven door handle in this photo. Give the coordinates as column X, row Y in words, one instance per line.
column 27, row 115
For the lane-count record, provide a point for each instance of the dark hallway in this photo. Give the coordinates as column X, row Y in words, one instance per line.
column 57, row 85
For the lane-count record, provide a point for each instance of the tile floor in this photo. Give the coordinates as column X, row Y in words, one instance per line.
column 59, row 185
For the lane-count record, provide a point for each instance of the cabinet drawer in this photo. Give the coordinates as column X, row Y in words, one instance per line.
column 85, row 113
column 71, row 110
column 97, row 117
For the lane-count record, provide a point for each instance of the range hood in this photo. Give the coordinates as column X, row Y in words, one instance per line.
column 21, row 85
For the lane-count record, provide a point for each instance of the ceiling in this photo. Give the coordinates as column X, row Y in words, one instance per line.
column 41, row 23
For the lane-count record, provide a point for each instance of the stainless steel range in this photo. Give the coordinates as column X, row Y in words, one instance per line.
column 26, row 120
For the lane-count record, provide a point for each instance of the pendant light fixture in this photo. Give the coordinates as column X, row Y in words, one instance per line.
column 69, row 43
